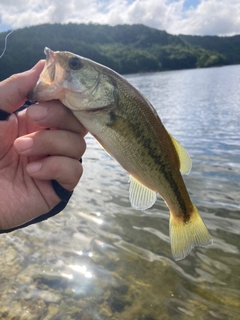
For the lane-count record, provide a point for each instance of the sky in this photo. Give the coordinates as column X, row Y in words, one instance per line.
column 195, row 17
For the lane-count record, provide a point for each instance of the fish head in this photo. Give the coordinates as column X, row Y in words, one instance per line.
column 80, row 83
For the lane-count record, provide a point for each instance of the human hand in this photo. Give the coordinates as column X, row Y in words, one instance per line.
column 31, row 156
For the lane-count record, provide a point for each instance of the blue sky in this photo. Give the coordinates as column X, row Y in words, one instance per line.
column 191, row 3
column 200, row 17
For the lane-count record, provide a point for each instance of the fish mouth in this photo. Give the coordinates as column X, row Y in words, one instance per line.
column 46, row 79
column 48, row 73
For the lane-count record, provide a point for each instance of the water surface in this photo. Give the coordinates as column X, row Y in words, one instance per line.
column 101, row 259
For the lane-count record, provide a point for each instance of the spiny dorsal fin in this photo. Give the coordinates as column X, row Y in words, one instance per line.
column 141, row 197
column 185, row 160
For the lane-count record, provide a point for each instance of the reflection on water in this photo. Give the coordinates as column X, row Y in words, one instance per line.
column 101, row 259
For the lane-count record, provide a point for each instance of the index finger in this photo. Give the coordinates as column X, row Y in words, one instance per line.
column 13, row 90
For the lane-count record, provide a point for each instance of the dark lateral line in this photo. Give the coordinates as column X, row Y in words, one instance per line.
column 169, row 178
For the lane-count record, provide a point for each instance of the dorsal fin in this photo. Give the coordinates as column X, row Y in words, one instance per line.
column 185, row 160
column 141, row 197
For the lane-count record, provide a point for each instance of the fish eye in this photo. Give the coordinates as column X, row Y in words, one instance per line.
column 75, row 63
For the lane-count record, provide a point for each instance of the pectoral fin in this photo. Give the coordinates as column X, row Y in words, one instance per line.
column 185, row 160
column 141, row 197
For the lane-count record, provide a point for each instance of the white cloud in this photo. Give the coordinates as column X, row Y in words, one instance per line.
column 221, row 17
column 211, row 17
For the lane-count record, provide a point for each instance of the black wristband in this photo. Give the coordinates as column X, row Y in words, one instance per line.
column 62, row 193
column 4, row 115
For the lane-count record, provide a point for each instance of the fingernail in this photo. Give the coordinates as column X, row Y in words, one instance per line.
column 23, row 144
column 34, row 167
column 37, row 112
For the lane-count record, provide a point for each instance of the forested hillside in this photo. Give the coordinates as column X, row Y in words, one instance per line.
column 227, row 46
column 124, row 48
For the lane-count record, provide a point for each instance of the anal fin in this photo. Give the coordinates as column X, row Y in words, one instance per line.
column 141, row 197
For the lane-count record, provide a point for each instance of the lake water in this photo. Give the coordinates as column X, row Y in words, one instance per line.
column 100, row 259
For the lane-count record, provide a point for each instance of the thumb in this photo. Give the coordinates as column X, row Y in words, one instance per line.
column 13, row 90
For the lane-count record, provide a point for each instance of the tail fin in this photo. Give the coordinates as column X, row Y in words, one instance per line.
column 185, row 236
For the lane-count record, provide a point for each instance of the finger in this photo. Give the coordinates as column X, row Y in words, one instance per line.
column 54, row 114
column 51, row 142
column 66, row 171
column 13, row 91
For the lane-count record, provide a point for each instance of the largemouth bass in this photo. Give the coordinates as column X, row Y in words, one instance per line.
column 128, row 127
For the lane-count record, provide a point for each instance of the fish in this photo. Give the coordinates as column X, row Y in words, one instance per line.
column 129, row 128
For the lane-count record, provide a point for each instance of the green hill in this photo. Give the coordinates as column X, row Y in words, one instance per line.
column 227, row 46
column 124, row 48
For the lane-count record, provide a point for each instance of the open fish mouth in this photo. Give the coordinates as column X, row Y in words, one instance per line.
column 46, row 79
column 48, row 73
